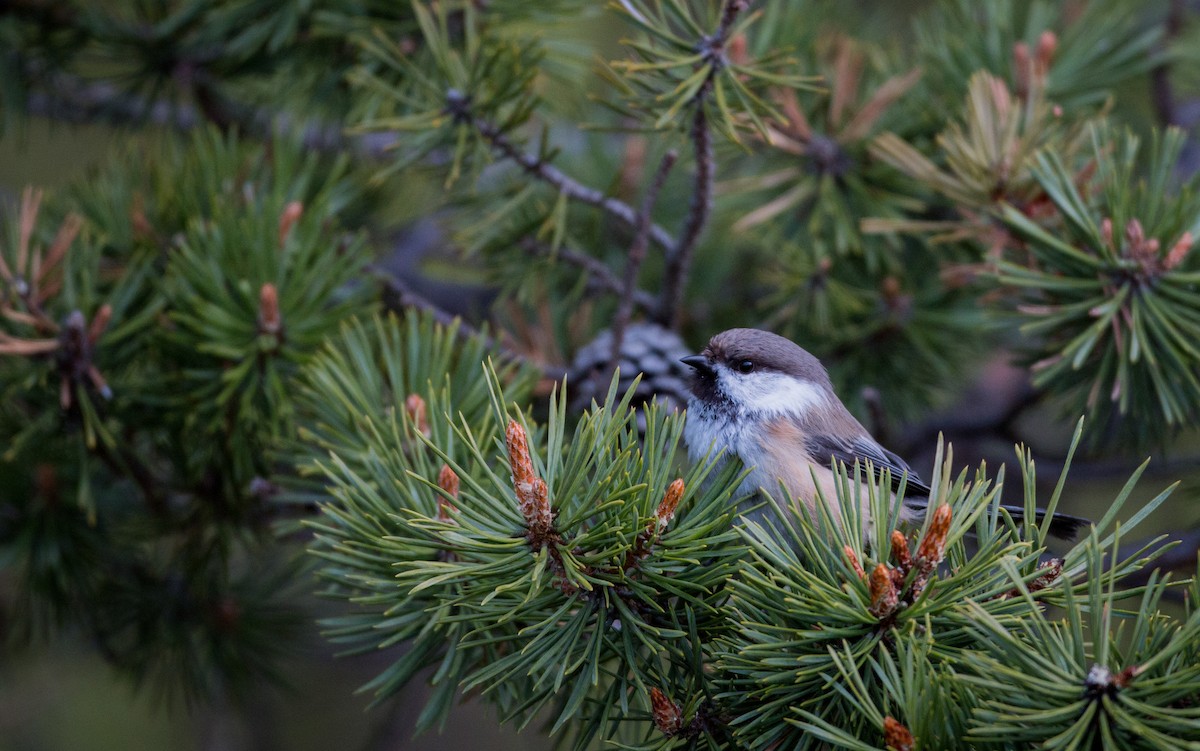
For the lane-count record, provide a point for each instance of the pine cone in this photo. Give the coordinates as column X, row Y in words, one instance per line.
column 648, row 349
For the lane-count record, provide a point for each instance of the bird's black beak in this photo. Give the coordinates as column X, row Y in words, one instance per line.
column 700, row 363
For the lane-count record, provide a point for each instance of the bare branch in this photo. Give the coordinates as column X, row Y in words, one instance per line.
column 637, row 255
column 679, row 261
column 600, row 276
column 398, row 295
column 679, row 257
column 550, row 174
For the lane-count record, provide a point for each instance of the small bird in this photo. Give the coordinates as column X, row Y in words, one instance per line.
column 762, row 398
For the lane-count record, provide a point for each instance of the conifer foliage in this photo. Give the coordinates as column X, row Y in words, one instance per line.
column 218, row 382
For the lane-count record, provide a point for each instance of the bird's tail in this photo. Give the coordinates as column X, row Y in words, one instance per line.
column 1062, row 526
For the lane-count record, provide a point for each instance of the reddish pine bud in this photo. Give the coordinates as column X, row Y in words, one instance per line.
column 736, row 49
column 852, row 557
column 896, row 736
column 532, row 495
column 666, row 507
column 1135, row 236
column 99, row 322
column 288, row 218
column 1106, row 231
column 668, row 716
column 1047, row 46
column 884, row 596
column 447, row 481
column 269, row 321
column 1021, row 67
column 900, row 552
column 1178, row 252
column 1126, row 676
column 414, row 405
column 933, row 547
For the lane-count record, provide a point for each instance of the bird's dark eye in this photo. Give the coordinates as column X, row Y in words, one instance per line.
column 745, row 366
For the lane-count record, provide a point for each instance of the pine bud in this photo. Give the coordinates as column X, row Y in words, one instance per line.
column 99, row 323
column 1106, row 231
column 668, row 716
column 288, row 218
column 896, row 736
column 1126, row 676
column 269, row 321
column 1050, row 571
column 933, row 547
column 532, row 494
column 736, row 50
column 1178, row 252
column 1047, row 45
column 447, row 481
column 666, row 507
column 900, row 552
column 1135, row 237
column 852, row 557
column 884, row 596
column 414, row 405
column 1021, row 67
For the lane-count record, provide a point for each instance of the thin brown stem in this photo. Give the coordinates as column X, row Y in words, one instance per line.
column 679, row 260
column 600, row 276
column 637, row 256
column 679, row 257
column 555, row 177
column 399, row 295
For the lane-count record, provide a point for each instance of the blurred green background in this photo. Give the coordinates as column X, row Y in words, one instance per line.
column 62, row 697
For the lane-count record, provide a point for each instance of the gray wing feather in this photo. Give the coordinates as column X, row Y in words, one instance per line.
column 864, row 449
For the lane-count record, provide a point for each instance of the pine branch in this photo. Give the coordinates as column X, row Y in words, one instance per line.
column 637, row 255
column 398, row 295
column 600, row 276
column 679, row 258
column 460, row 108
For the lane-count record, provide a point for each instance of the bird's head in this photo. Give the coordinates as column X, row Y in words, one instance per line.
column 753, row 372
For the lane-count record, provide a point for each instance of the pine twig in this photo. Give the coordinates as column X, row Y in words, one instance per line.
column 400, row 295
column 637, row 256
column 555, row 177
column 599, row 276
column 679, row 256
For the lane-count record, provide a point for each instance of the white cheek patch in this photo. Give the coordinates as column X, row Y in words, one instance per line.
column 770, row 393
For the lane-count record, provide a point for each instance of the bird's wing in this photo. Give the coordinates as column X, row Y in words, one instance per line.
column 864, row 449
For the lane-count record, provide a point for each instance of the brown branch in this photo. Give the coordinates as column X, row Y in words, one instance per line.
column 398, row 295
column 679, row 257
column 600, row 276
column 555, row 177
column 637, row 256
